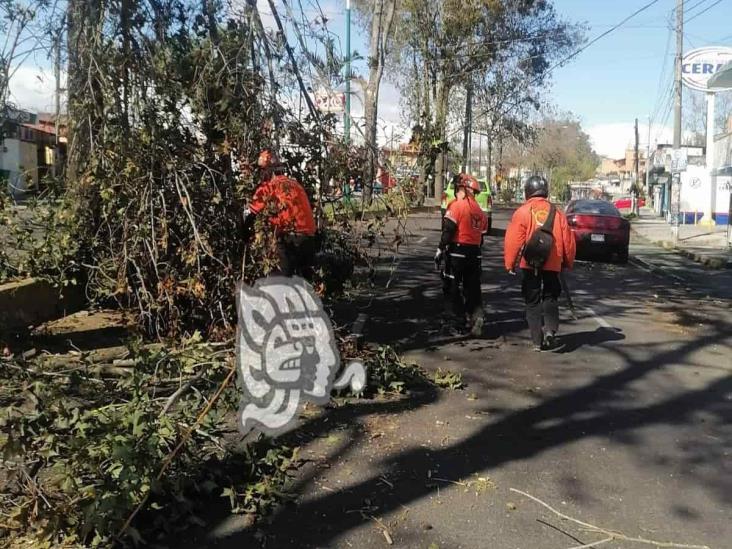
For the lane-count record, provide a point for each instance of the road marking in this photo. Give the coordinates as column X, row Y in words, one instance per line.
column 357, row 329
column 421, row 240
column 601, row 321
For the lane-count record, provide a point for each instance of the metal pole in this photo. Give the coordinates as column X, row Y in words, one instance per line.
column 347, row 114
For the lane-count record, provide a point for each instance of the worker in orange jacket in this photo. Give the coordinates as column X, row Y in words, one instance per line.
column 284, row 203
column 463, row 227
column 541, row 287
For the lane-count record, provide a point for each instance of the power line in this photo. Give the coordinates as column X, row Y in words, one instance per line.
column 599, row 37
column 662, row 77
column 667, row 113
column 703, row 11
column 687, row 10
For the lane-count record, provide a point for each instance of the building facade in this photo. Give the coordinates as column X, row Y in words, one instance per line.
column 29, row 151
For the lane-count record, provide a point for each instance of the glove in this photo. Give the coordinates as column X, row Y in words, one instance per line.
column 438, row 258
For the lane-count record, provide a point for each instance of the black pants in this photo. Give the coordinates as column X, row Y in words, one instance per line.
column 541, row 292
column 296, row 255
column 463, row 263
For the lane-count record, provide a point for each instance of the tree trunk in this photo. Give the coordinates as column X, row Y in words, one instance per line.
column 443, row 95
column 381, row 25
column 83, row 16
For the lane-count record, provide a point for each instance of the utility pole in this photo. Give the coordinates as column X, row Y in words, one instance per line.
column 677, row 76
column 648, row 163
column 637, row 159
column 468, row 126
column 347, row 114
column 636, row 183
column 675, row 187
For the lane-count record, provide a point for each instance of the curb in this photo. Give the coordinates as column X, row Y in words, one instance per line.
column 633, row 260
column 32, row 301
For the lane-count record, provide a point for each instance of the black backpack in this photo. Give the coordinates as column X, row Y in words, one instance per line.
column 540, row 244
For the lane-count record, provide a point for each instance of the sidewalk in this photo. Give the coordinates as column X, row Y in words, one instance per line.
column 705, row 245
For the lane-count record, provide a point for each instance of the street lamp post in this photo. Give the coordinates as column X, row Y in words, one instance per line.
column 347, row 114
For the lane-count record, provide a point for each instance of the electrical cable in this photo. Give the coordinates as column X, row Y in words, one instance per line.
column 702, row 12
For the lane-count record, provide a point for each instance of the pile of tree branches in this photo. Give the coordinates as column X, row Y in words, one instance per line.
column 132, row 443
column 170, row 103
column 120, row 444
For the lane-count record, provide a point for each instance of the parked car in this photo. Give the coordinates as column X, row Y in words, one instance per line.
column 599, row 229
column 626, row 203
column 484, row 199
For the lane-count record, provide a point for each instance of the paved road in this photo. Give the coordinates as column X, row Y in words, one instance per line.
column 627, row 426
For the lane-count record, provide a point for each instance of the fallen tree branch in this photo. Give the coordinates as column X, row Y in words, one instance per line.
column 182, row 389
column 172, row 455
column 611, row 535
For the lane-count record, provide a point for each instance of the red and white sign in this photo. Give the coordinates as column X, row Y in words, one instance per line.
column 330, row 101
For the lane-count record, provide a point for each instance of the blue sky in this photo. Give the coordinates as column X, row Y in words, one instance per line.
column 617, row 79
column 623, row 76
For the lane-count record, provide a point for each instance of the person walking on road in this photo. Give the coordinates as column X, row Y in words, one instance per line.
column 463, row 227
column 284, row 203
column 539, row 241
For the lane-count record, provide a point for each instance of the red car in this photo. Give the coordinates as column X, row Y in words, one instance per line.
column 599, row 230
column 627, row 203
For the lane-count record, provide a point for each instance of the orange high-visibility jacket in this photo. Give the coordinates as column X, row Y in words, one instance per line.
column 291, row 211
column 470, row 220
column 525, row 221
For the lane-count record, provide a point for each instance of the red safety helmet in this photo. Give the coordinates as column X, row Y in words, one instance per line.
column 467, row 180
column 268, row 159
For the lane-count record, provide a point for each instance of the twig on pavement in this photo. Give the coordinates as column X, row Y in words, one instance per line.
column 611, row 535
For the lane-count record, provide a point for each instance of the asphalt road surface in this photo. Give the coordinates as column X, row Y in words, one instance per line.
column 626, row 426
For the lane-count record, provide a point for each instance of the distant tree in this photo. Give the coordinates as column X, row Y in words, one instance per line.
column 453, row 44
column 695, row 115
column 378, row 16
column 24, row 31
column 562, row 152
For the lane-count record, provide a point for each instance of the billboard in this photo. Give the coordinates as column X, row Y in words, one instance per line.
column 699, row 65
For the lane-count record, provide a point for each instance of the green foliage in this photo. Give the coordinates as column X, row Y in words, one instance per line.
column 448, row 379
column 507, row 194
column 38, row 240
column 388, row 373
column 83, row 444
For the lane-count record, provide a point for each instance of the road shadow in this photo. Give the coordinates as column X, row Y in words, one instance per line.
column 568, row 343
